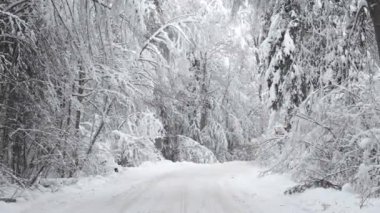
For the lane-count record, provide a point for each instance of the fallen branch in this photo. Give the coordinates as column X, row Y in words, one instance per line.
column 8, row 200
column 304, row 117
column 311, row 185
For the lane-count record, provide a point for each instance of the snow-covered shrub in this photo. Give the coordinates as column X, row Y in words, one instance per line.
column 133, row 143
column 182, row 148
column 214, row 138
column 101, row 160
column 190, row 150
column 133, row 151
column 54, row 184
column 246, row 152
column 325, row 121
column 335, row 137
column 143, row 125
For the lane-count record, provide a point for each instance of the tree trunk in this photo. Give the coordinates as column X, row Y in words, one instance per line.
column 81, row 84
column 374, row 8
column 204, row 93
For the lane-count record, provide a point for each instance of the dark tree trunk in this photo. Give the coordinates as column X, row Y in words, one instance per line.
column 81, row 84
column 374, row 8
column 204, row 93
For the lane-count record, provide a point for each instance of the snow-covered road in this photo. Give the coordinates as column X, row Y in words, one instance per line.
column 166, row 187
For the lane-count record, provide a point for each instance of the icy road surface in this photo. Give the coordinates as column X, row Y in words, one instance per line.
column 166, row 187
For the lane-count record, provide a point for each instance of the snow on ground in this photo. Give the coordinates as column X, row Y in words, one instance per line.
column 166, row 187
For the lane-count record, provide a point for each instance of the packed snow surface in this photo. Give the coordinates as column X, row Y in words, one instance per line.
column 165, row 187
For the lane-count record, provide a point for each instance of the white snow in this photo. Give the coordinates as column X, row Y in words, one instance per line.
column 191, row 151
column 165, row 187
column 362, row 3
column 364, row 143
column 288, row 44
column 318, row 4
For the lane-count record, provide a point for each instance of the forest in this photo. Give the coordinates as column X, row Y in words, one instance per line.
column 90, row 86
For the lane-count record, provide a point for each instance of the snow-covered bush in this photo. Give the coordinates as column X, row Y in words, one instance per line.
column 190, row 150
column 182, row 148
column 246, row 152
column 133, row 151
column 325, row 114
column 214, row 138
column 336, row 138
column 130, row 145
column 145, row 125
column 101, row 160
column 133, row 142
